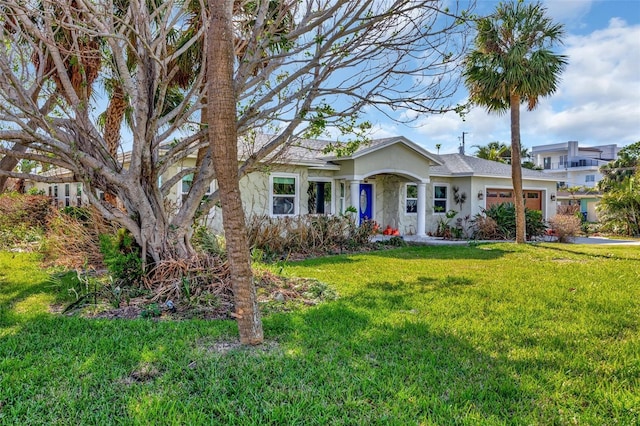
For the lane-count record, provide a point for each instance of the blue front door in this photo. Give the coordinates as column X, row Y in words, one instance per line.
column 366, row 201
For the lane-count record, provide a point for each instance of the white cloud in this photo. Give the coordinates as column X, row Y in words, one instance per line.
column 597, row 102
column 568, row 10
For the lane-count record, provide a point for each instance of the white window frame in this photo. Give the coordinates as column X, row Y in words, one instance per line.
column 332, row 205
column 79, row 194
column 589, row 178
column 296, row 196
column 406, row 199
column 181, row 194
column 433, row 204
column 67, row 194
column 341, row 192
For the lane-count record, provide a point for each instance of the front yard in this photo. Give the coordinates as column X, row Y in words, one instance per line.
column 491, row 334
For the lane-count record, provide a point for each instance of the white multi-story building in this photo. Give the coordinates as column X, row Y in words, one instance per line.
column 577, row 165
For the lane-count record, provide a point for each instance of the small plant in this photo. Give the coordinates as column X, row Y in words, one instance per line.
column 209, row 242
column 151, row 311
column 444, row 228
column 565, row 227
column 396, row 242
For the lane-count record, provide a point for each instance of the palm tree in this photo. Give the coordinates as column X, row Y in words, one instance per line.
column 512, row 63
column 224, row 147
column 494, row 151
column 79, row 55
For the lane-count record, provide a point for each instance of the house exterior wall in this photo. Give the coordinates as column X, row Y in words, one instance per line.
column 396, row 158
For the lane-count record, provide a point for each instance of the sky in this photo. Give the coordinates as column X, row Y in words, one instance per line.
column 597, row 101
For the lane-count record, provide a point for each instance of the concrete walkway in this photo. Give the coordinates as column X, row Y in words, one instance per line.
column 434, row 241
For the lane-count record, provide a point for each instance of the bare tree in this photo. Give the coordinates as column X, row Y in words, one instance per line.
column 301, row 68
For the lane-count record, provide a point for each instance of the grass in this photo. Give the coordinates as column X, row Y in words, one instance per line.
column 491, row 335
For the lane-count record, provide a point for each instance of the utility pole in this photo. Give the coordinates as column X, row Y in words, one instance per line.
column 461, row 148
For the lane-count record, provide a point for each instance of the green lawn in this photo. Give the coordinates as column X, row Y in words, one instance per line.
column 493, row 334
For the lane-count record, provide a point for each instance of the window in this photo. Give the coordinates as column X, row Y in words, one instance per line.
column 564, row 160
column 55, row 192
column 185, row 186
column 590, row 178
column 341, row 206
column 284, row 195
column 67, row 192
column 319, row 193
column 440, row 199
column 79, row 195
column 547, row 163
column 411, row 197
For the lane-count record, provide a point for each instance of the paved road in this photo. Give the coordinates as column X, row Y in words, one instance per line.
column 602, row 240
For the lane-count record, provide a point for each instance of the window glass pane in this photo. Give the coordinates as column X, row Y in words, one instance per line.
column 440, row 192
column 284, row 186
column 440, row 205
column 412, row 206
column 283, row 205
column 186, row 183
column 412, row 191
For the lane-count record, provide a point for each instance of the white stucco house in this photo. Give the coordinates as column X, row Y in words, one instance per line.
column 393, row 181
column 572, row 164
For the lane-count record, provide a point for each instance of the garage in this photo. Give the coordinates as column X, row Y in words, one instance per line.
column 533, row 199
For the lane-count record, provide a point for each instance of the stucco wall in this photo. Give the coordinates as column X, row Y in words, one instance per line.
column 397, row 158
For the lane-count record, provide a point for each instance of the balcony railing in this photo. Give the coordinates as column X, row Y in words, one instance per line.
column 572, row 164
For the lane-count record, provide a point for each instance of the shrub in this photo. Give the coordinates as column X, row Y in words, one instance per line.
column 72, row 238
column 22, row 218
column 276, row 238
column 485, row 228
column 122, row 257
column 563, row 209
column 565, row 227
column 504, row 216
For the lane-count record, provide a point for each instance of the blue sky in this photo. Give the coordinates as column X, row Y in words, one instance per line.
column 598, row 100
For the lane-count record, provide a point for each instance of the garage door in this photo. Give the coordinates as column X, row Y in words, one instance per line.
column 533, row 199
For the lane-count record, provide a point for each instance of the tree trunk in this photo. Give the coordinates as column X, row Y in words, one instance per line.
column 9, row 163
column 113, row 122
column 516, row 170
column 224, row 146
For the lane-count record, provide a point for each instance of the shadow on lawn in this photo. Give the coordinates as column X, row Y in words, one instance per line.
column 597, row 251
column 480, row 252
column 406, row 372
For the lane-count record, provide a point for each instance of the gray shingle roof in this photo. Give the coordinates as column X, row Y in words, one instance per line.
column 465, row 165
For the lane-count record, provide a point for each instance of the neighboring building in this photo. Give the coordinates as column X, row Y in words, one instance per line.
column 392, row 181
column 586, row 199
column 572, row 164
column 576, row 166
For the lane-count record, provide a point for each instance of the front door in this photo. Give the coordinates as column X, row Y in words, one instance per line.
column 366, row 201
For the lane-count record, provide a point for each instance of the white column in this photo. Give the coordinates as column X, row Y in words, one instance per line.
column 354, row 188
column 422, row 210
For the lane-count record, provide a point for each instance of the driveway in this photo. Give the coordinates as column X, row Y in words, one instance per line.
column 603, row 240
